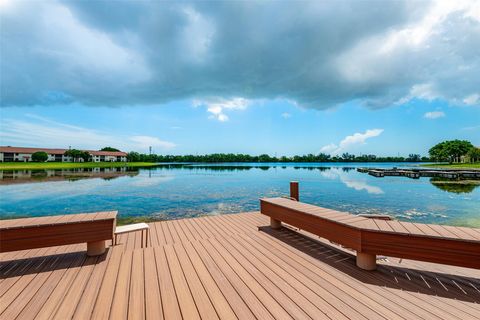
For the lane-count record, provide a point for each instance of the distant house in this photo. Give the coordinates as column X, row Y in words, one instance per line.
column 108, row 156
column 21, row 154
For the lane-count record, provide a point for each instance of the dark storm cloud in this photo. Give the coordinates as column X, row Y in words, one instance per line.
column 317, row 54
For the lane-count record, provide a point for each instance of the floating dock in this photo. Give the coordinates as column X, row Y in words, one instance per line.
column 417, row 173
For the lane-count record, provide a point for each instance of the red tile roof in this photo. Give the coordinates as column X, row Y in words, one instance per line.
column 59, row 151
column 31, row 150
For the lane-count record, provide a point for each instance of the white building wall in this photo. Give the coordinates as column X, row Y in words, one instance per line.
column 23, row 157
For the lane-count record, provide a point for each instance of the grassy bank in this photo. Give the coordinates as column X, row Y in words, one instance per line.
column 453, row 166
column 69, row 165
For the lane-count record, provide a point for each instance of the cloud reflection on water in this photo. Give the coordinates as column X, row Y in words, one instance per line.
column 359, row 185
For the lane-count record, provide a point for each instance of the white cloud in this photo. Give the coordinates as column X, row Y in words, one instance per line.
column 351, row 141
column 217, row 106
column 43, row 132
column 473, row 99
column 399, row 60
column 286, row 115
column 434, row 115
column 329, row 148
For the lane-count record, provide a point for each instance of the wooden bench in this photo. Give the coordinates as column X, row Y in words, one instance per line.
column 131, row 228
column 32, row 233
column 456, row 246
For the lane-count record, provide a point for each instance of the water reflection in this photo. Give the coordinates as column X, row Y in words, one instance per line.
column 170, row 191
column 8, row 177
column 357, row 184
column 240, row 167
column 454, row 186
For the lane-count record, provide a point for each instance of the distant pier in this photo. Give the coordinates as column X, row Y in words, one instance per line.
column 417, row 173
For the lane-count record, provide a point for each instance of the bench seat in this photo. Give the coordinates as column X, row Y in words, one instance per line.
column 450, row 245
column 40, row 232
column 142, row 226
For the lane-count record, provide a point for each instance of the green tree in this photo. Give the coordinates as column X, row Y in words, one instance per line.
column 450, row 151
column 40, row 156
column 77, row 155
column 457, row 148
column 414, row 158
column 134, row 157
column 109, row 149
column 438, row 152
column 474, row 154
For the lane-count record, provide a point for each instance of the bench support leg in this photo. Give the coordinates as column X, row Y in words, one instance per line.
column 275, row 224
column 366, row 261
column 95, row 248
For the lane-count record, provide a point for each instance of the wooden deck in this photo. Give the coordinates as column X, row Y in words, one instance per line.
column 226, row 267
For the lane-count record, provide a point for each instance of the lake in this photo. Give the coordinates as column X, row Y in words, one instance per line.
column 174, row 191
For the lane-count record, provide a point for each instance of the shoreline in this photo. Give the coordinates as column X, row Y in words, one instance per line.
column 470, row 166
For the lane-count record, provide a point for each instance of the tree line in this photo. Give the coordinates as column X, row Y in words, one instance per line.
column 231, row 157
column 447, row 151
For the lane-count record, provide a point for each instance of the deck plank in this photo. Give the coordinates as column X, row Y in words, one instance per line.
column 153, row 299
column 166, row 232
column 74, row 294
column 246, row 294
column 136, row 302
column 32, row 286
column 185, row 300
column 242, row 311
column 221, row 305
column 170, row 305
column 119, row 308
column 103, row 303
column 279, row 305
column 200, row 296
column 41, row 296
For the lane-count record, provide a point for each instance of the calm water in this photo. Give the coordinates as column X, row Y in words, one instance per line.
column 174, row 191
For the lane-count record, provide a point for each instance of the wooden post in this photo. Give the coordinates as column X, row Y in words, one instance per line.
column 366, row 261
column 275, row 224
column 96, row 248
column 294, row 190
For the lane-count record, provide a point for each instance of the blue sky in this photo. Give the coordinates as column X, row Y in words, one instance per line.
column 195, row 78
column 263, row 127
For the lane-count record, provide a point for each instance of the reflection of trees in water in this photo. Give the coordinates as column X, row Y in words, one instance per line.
column 454, row 186
column 215, row 167
column 74, row 174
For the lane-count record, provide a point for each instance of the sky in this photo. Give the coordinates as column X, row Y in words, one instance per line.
column 282, row 78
